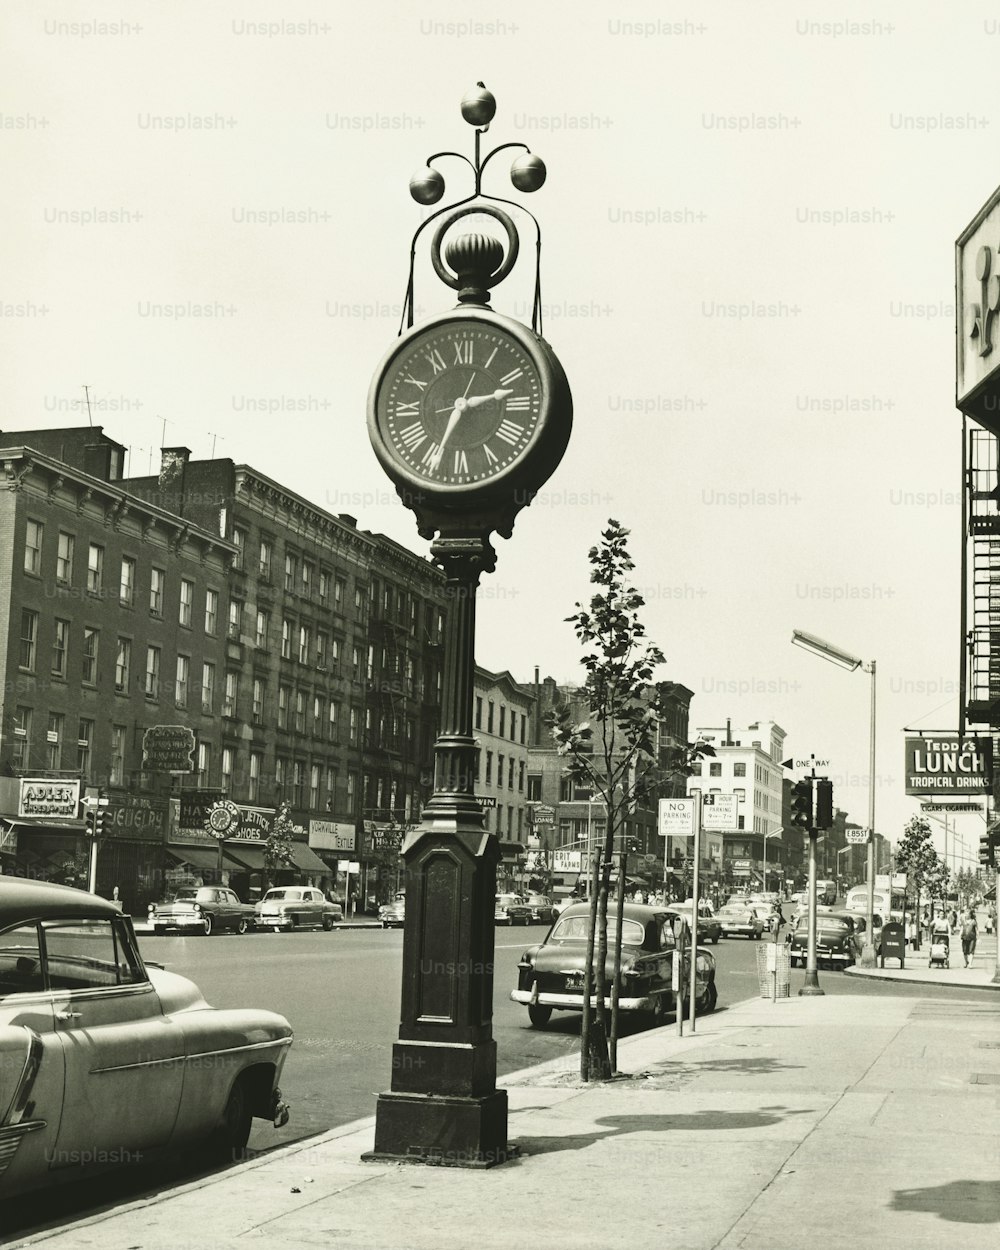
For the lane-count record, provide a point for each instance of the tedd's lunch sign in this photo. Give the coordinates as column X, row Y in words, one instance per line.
column 946, row 765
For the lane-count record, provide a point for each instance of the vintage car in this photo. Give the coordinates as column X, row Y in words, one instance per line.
column 838, row 939
column 296, row 907
column 709, row 929
column 542, row 908
column 391, row 915
column 736, row 919
column 202, row 909
column 551, row 976
column 511, row 909
column 103, row 1061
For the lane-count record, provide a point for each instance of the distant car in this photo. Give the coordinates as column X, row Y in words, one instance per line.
column 542, row 907
column 550, row 976
column 392, row 915
column 709, row 928
column 297, row 907
column 837, row 939
column 511, row 909
column 738, row 920
column 202, row 909
column 103, row 1061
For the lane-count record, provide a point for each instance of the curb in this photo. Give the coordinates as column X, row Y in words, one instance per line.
column 878, row 974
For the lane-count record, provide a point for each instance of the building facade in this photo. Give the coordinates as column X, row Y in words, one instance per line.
column 502, row 723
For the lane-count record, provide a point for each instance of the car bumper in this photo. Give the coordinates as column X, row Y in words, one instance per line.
column 574, row 1002
column 177, row 922
column 740, row 930
column 273, row 922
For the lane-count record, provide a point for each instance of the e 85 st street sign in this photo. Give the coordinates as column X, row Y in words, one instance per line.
column 946, row 765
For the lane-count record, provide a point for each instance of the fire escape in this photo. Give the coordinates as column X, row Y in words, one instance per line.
column 982, row 666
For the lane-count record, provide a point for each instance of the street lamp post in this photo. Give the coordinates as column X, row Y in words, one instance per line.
column 827, row 651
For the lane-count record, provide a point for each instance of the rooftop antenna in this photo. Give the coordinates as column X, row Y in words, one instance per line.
column 214, row 437
column 163, row 433
column 90, row 419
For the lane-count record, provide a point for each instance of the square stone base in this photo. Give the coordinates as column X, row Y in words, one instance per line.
column 440, row 1130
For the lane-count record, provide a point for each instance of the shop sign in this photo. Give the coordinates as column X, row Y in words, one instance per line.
column 194, row 808
column 168, row 749
column 44, row 797
column 567, row 861
column 946, row 765
column 977, row 311
column 140, row 817
column 383, row 837
column 331, row 835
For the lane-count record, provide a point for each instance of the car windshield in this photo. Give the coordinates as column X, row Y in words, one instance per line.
column 185, row 895
column 732, row 909
column 273, row 894
column 832, row 924
column 575, row 929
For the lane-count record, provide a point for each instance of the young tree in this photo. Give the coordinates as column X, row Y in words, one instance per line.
column 916, row 856
column 613, row 756
column 278, row 847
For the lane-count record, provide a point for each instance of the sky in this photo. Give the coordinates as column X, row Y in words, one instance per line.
column 748, row 233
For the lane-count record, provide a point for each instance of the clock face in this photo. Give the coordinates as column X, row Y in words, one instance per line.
column 460, row 403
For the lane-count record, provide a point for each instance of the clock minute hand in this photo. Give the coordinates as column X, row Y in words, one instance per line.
column 453, row 420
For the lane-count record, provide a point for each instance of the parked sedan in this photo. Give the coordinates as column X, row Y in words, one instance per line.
column 392, row 915
column 511, row 909
column 551, row 976
column 709, row 929
column 737, row 920
column 542, row 908
column 103, row 1062
column 202, row 909
column 837, row 939
column 297, row 907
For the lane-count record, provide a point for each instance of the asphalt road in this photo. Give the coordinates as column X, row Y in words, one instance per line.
column 341, row 990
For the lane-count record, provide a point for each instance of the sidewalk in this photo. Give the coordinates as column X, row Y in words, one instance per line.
column 854, row 1121
column 978, row 976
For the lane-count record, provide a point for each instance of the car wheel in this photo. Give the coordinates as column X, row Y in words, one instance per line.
column 159, row 929
column 539, row 1015
column 510, row 922
column 229, row 1139
column 384, row 925
column 715, row 940
column 242, row 925
column 657, row 1015
column 327, row 923
column 711, row 998
column 208, row 925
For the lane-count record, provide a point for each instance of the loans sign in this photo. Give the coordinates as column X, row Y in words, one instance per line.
column 947, row 765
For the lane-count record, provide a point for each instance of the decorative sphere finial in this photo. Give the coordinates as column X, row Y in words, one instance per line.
column 479, row 105
column 527, row 173
column 427, row 185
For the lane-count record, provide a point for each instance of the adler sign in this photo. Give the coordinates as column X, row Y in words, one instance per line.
column 947, row 765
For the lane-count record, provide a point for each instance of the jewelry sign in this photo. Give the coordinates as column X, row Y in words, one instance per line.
column 946, row 765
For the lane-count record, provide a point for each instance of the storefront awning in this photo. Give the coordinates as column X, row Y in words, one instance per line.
column 306, row 859
column 246, row 856
column 44, row 826
column 196, row 856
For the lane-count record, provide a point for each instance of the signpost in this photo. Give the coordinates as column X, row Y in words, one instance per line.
column 859, row 836
column 947, row 764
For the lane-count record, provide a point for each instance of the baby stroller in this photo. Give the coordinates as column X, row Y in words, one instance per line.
column 938, row 956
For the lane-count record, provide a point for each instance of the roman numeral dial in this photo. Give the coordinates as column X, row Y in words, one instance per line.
column 461, row 403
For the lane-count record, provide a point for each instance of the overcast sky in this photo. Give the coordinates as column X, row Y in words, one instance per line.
column 748, row 231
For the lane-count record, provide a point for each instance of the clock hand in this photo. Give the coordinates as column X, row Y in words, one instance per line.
column 474, row 401
column 456, row 413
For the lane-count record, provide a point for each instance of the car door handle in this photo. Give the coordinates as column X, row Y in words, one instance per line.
column 67, row 1015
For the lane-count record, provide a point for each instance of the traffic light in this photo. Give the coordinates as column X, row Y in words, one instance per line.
column 824, row 803
column 802, row 803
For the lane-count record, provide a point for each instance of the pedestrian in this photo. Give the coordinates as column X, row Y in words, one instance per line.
column 969, row 933
column 953, row 920
column 990, row 920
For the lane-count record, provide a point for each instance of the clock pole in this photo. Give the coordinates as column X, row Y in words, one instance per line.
column 443, row 1106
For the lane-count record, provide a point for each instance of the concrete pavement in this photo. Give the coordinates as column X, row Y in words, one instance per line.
column 848, row 1121
column 980, row 974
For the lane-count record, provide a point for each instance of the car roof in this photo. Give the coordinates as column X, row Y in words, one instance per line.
column 631, row 911
column 22, row 901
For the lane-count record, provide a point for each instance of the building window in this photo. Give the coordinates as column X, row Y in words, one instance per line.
column 520, row 776
column 95, row 568
column 370, row 663
column 304, row 644
column 84, row 747
column 152, row 672
column 260, row 631
column 300, row 711
column 117, row 755
column 715, row 769
column 182, row 681
column 123, row 662
column 64, row 557
column 235, row 618
column 286, row 638
column 60, row 642
column 354, row 725
column 479, row 712
column 91, row 638
column 314, row 776
column 523, row 723
column 332, row 716
column 126, row 589
column 157, row 577
column 204, row 762
column 489, row 717
column 227, row 769
column 53, row 740
column 534, row 794
column 207, row 687
column 231, row 696
column 356, row 663
column 307, row 577
column 324, row 585
column 317, row 716
column 282, row 707
column 339, row 586
column 279, row 777
column 211, row 611
column 253, row 781
column 258, row 701
column 21, row 746
column 33, row 547
column 331, row 787
column 510, row 773
column 291, row 571
column 264, row 560
column 739, row 770
column 503, row 721
column 240, row 543
column 359, row 598
column 489, row 767
column 352, row 793
column 187, row 602
column 322, row 648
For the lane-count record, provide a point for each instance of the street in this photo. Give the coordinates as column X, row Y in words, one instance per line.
column 340, row 991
